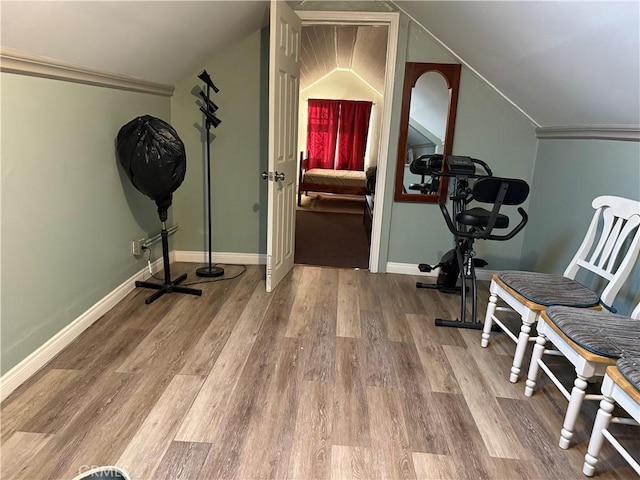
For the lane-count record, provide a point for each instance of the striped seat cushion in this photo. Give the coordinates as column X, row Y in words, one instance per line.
column 629, row 367
column 599, row 332
column 547, row 289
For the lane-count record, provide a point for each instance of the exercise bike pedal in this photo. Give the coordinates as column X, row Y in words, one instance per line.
column 478, row 262
column 425, row 268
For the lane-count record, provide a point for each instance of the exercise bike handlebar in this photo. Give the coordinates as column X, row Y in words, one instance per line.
column 432, row 165
column 484, row 166
column 523, row 221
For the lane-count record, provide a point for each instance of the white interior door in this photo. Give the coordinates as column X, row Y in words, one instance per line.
column 284, row 85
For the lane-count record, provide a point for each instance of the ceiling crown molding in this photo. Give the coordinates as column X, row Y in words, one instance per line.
column 600, row 132
column 35, row 66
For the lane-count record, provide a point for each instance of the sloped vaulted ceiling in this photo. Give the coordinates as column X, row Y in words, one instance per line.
column 159, row 41
column 360, row 49
column 562, row 63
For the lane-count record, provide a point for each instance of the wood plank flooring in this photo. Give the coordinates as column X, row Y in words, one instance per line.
column 338, row 374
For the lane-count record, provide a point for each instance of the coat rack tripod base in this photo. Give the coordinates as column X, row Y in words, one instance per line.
column 210, row 271
column 168, row 286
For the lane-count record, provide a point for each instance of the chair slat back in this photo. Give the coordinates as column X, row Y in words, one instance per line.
column 615, row 232
column 613, row 239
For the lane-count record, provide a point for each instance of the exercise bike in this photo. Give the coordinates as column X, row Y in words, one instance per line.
column 468, row 224
column 431, row 165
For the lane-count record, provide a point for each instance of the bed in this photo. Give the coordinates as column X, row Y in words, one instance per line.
column 346, row 182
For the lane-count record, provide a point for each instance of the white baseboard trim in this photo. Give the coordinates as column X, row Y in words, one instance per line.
column 45, row 353
column 485, row 275
column 220, row 257
column 412, row 269
column 409, row 269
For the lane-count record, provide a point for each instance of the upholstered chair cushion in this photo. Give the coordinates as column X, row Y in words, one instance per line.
column 598, row 331
column 548, row 289
column 629, row 367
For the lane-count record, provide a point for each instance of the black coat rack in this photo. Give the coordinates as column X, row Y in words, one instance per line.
column 208, row 109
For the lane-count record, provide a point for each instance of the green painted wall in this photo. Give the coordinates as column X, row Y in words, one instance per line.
column 488, row 128
column 69, row 213
column 238, row 152
column 569, row 174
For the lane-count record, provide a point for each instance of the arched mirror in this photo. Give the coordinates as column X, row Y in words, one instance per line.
column 427, row 122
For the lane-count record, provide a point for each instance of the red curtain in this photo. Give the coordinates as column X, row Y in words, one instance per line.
column 352, row 134
column 322, row 132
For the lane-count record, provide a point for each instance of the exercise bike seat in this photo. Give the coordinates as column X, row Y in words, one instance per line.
column 479, row 217
column 493, row 190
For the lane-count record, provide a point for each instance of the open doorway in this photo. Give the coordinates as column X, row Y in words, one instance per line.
column 283, row 133
column 341, row 64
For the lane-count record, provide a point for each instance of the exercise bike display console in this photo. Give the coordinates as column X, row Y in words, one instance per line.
column 468, row 224
column 461, row 165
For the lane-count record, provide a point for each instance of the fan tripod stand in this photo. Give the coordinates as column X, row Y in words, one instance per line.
column 168, row 286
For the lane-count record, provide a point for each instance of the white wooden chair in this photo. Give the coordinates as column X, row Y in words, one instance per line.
column 592, row 341
column 620, row 385
column 608, row 251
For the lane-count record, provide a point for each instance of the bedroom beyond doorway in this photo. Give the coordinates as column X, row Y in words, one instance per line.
column 331, row 231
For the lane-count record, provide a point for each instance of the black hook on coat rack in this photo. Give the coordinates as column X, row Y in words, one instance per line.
column 208, row 109
column 204, row 76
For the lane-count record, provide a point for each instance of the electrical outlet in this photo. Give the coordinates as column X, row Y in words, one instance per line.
column 137, row 246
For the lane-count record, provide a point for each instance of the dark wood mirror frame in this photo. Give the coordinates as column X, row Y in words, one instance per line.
column 413, row 71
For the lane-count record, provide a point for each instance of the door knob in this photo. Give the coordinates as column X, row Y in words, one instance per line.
column 278, row 176
column 264, row 175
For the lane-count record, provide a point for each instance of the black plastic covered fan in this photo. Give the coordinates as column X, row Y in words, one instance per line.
column 153, row 156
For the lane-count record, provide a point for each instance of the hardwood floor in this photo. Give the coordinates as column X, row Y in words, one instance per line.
column 338, row 374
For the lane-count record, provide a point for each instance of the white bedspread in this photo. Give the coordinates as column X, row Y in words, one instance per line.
column 321, row 176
